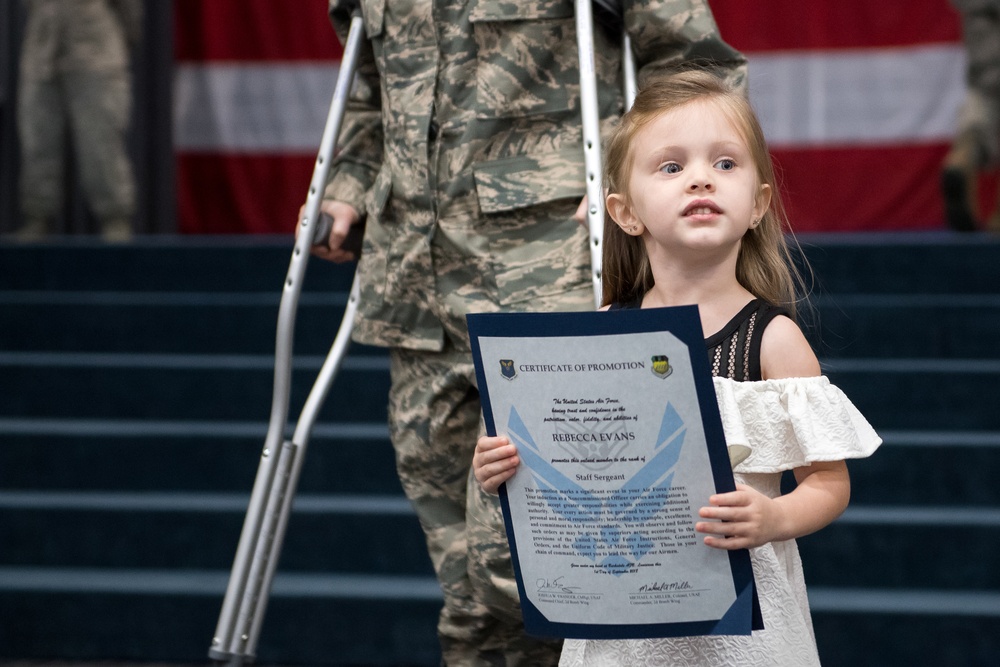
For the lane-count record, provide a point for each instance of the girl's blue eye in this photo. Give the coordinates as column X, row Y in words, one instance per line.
column 671, row 168
column 726, row 164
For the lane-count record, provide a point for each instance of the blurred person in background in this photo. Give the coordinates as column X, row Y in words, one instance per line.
column 74, row 93
column 977, row 143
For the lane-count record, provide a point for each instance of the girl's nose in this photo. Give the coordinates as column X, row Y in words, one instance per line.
column 701, row 179
column 701, row 183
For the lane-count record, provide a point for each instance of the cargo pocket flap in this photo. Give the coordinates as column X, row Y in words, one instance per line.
column 525, row 180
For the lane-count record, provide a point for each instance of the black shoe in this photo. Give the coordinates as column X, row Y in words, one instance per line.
column 957, row 213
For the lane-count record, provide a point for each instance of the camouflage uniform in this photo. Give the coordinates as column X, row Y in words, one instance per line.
column 977, row 142
column 74, row 81
column 463, row 147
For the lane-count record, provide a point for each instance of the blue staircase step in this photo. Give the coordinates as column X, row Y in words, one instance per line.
column 919, row 629
column 170, row 616
column 936, row 326
column 910, row 394
column 936, row 468
column 338, row 533
column 866, row 263
column 164, row 264
column 917, row 263
column 195, row 323
column 198, row 387
column 880, row 547
column 84, row 455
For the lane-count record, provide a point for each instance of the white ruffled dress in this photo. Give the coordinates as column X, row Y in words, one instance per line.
column 787, row 423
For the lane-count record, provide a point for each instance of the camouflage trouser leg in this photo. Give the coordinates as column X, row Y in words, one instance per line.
column 41, row 123
column 490, row 567
column 99, row 110
column 434, row 422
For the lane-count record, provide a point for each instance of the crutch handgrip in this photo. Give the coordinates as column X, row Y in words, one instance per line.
column 351, row 242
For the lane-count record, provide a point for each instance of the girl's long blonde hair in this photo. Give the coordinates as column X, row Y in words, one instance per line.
column 764, row 265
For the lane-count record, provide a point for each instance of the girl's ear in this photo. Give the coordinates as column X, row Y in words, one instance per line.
column 621, row 213
column 761, row 203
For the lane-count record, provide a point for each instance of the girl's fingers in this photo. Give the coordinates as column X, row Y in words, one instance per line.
column 491, row 480
column 491, row 469
column 491, row 455
column 723, row 513
column 485, row 471
column 714, row 527
column 728, row 543
column 736, row 498
column 494, row 461
column 722, row 535
column 487, row 444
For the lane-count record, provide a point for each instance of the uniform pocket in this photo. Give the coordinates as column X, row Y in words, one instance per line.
column 527, row 202
column 526, row 59
column 520, row 181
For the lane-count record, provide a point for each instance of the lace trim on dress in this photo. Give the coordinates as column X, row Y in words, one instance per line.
column 792, row 422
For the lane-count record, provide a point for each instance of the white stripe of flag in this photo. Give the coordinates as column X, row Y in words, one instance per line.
column 859, row 97
column 804, row 99
column 256, row 108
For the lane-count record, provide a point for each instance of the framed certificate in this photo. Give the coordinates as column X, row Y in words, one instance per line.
column 615, row 419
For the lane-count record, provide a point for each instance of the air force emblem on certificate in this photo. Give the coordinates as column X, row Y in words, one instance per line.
column 507, row 369
column 661, row 366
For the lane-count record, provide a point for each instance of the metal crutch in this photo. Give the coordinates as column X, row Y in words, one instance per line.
column 589, row 108
column 238, row 629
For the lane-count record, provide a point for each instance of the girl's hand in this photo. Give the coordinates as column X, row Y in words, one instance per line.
column 749, row 518
column 494, row 462
column 745, row 518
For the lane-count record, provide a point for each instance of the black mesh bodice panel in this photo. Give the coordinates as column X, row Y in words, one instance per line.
column 734, row 351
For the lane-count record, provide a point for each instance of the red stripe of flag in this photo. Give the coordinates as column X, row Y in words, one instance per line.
column 225, row 193
column 253, row 30
column 780, row 25
column 855, row 188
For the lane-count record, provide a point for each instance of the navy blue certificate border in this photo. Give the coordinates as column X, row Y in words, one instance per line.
column 683, row 322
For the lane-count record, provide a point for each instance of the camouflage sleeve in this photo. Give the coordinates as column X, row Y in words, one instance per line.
column 671, row 34
column 359, row 146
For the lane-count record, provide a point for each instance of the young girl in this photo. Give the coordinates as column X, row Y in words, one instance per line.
column 694, row 218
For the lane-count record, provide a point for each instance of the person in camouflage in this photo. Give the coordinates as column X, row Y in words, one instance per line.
column 977, row 141
column 462, row 153
column 74, row 83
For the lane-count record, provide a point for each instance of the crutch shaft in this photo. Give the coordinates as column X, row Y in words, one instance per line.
column 591, row 139
column 589, row 109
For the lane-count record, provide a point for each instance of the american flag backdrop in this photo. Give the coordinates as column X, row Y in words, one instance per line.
column 859, row 101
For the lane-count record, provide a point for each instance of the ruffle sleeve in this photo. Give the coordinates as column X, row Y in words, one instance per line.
column 792, row 422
